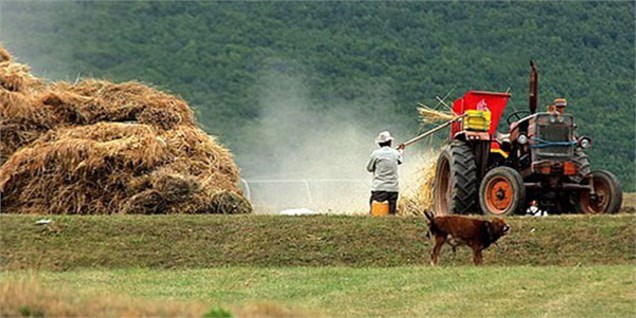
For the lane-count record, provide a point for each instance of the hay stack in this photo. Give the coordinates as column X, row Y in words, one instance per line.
column 21, row 123
column 121, row 168
column 30, row 108
column 416, row 203
column 91, row 101
column 95, row 147
column 16, row 77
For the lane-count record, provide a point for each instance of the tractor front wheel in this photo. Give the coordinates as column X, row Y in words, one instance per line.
column 607, row 196
column 583, row 165
column 502, row 192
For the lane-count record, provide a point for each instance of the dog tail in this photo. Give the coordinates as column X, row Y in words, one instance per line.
column 431, row 223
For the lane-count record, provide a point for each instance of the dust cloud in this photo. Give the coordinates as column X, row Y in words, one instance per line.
column 24, row 26
column 302, row 154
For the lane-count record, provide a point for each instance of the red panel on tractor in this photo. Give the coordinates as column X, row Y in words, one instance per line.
column 480, row 100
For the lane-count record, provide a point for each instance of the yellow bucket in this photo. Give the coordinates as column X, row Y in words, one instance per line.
column 379, row 208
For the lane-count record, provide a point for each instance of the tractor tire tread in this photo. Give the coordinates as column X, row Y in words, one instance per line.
column 465, row 173
column 583, row 165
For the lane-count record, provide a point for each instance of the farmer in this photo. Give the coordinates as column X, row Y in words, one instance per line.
column 560, row 104
column 383, row 163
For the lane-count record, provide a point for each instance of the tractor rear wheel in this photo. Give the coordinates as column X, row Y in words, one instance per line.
column 502, row 192
column 455, row 184
column 607, row 197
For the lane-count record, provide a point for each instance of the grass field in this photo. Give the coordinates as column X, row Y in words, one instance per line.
column 204, row 241
column 406, row 291
column 311, row 266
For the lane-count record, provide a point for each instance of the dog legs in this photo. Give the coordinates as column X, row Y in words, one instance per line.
column 439, row 242
column 477, row 258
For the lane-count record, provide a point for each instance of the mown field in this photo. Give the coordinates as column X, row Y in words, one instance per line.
column 311, row 266
column 203, row 241
column 403, row 291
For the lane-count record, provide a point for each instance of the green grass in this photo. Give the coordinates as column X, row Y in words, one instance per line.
column 338, row 266
column 203, row 241
column 405, row 291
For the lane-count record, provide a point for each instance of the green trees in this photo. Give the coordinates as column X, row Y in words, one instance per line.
column 362, row 56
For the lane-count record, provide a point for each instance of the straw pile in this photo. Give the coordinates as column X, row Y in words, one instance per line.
column 422, row 199
column 432, row 116
column 417, row 202
column 96, row 147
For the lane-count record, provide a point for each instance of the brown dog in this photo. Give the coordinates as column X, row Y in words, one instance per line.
column 456, row 230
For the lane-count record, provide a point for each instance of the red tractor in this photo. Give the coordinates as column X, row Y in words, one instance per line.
column 539, row 158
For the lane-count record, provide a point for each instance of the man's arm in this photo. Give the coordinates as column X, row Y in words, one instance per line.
column 400, row 150
column 371, row 163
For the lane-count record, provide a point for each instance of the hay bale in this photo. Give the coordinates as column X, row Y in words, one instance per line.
column 29, row 107
column 146, row 202
column 16, row 77
column 74, row 109
column 70, row 173
column 416, row 203
column 120, row 168
column 96, row 147
column 219, row 202
column 426, row 186
column 14, row 137
column 159, row 117
column 97, row 100
column 206, row 157
column 19, row 108
column 21, row 123
column 174, row 187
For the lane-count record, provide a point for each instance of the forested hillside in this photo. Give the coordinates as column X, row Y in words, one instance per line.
column 268, row 74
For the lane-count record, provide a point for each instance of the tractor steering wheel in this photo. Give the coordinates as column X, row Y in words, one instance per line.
column 516, row 116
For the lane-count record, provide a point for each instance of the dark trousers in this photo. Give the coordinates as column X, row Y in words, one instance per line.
column 382, row 196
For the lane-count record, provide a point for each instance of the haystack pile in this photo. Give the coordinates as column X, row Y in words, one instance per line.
column 96, row 147
column 416, row 202
column 420, row 200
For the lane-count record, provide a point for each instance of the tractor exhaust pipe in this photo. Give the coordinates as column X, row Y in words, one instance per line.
column 534, row 82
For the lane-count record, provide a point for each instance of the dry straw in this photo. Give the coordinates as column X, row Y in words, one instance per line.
column 422, row 200
column 4, row 55
column 431, row 116
column 91, row 101
column 121, row 168
column 96, row 147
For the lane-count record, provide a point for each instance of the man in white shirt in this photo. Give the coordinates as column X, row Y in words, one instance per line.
column 383, row 163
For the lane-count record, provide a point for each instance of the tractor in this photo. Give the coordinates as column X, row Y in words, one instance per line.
column 540, row 158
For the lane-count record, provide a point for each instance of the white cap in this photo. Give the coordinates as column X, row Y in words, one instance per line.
column 383, row 137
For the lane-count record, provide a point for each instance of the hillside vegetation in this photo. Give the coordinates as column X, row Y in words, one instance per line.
column 187, row 241
column 370, row 60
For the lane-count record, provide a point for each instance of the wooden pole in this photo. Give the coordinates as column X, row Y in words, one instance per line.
column 428, row 133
